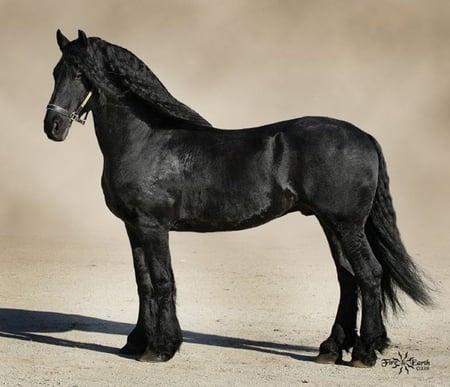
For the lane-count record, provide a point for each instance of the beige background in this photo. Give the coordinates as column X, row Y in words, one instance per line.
column 382, row 65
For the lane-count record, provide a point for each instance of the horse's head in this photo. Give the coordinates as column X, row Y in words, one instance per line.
column 71, row 94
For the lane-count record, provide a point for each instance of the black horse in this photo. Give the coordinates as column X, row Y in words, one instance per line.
column 167, row 169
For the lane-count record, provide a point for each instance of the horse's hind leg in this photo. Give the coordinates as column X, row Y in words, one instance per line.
column 368, row 273
column 343, row 332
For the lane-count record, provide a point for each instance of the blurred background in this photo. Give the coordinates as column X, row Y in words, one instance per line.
column 382, row 65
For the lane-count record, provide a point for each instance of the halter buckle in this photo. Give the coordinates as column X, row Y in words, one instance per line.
column 75, row 117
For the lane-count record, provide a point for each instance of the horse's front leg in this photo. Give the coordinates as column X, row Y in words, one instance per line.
column 157, row 335
column 137, row 340
column 158, row 314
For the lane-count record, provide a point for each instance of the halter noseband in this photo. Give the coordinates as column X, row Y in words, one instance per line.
column 74, row 116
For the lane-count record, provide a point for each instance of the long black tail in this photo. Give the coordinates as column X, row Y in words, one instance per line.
column 399, row 270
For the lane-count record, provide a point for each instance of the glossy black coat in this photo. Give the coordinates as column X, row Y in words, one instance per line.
column 167, row 169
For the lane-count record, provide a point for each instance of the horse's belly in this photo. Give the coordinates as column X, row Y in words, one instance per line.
column 219, row 224
column 226, row 212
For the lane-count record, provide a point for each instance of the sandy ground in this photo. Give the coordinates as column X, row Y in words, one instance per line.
column 253, row 312
column 254, row 305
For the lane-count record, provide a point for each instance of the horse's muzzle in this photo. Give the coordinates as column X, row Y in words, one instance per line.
column 56, row 126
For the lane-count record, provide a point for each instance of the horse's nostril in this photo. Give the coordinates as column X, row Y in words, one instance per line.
column 55, row 127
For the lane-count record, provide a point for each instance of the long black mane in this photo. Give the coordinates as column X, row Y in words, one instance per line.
column 115, row 70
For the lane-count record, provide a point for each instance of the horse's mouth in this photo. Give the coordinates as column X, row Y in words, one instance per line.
column 55, row 129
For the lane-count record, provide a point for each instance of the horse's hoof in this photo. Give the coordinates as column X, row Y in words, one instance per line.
column 131, row 350
column 152, row 357
column 360, row 364
column 326, row 358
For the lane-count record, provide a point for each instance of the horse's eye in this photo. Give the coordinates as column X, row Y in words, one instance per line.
column 79, row 75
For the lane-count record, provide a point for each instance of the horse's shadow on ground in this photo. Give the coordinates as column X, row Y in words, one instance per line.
column 37, row 326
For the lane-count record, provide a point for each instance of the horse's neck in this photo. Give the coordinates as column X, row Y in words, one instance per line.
column 116, row 127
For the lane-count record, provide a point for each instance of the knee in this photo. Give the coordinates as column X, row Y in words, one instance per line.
column 162, row 280
column 164, row 288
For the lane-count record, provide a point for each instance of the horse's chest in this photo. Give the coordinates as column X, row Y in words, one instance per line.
column 130, row 193
column 121, row 189
column 116, row 197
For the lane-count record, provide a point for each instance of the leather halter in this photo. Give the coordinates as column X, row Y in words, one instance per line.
column 74, row 116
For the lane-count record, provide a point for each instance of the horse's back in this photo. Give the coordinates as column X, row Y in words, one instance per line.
column 247, row 177
column 216, row 180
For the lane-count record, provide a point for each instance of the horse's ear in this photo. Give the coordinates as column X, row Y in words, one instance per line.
column 82, row 38
column 61, row 39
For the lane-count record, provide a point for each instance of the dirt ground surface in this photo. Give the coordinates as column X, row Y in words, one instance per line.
column 253, row 312
column 253, row 305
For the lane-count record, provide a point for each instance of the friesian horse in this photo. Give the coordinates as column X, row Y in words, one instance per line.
column 167, row 169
